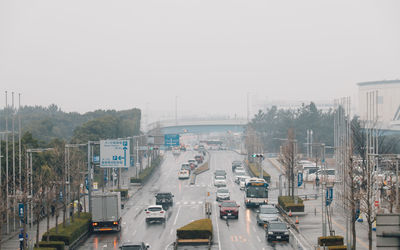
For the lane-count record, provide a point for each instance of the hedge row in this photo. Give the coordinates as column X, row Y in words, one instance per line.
column 58, row 245
column 72, row 231
column 146, row 173
column 123, row 192
column 288, row 204
column 256, row 172
column 199, row 229
column 201, row 169
column 333, row 241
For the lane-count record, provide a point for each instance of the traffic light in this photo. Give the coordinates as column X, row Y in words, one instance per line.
column 258, row 156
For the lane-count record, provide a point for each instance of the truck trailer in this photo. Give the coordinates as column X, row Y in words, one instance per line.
column 106, row 212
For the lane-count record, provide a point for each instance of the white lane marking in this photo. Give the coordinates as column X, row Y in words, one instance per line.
column 172, row 230
column 200, row 202
column 177, row 213
column 185, row 203
column 258, row 238
column 193, row 202
column 219, row 237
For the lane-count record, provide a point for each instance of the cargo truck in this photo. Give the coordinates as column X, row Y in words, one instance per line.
column 106, row 212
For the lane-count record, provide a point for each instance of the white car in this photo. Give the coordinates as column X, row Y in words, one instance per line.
column 242, row 182
column 240, row 172
column 155, row 213
column 183, row 174
column 219, row 181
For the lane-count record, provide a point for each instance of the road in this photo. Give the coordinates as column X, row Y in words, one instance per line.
column 188, row 206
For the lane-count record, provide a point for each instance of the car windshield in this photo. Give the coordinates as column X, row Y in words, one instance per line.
column 219, row 177
column 228, row 204
column 135, row 247
column 277, row 226
column 163, row 195
column 268, row 210
column 154, row 209
column 223, row 190
column 220, row 172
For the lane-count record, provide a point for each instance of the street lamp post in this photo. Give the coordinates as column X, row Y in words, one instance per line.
column 30, row 178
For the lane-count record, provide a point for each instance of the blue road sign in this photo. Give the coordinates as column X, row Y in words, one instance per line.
column 299, row 179
column 87, row 183
column 96, row 159
column 329, row 196
column 61, row 195
column 21, row 210
column 171, row 140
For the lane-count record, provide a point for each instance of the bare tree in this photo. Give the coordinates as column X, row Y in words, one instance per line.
column 289, row 160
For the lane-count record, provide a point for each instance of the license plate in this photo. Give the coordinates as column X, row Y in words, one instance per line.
column 278, row 237
column 229, row 214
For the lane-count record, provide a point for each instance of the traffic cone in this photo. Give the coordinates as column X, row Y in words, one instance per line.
column 374, row 226
column 297, row 220
column 290, row 213
column 360, row 218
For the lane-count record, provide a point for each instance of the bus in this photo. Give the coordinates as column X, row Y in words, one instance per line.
column 256, row 192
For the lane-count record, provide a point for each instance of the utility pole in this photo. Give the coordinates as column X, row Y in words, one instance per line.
column 19, row 142
column 7, row 191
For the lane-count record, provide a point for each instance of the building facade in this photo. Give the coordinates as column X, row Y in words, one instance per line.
column 386, row 103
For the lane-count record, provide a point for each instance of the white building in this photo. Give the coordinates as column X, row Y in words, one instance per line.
column 388, row 102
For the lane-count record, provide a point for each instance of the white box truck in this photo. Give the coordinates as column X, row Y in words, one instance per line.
column 106, row 212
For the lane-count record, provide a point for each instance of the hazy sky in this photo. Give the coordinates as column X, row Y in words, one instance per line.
column 86, row 55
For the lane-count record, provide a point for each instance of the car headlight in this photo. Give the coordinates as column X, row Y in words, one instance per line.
column 286, row 233
column 270, row 233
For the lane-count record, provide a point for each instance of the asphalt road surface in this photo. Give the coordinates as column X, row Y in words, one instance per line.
column 189, row 200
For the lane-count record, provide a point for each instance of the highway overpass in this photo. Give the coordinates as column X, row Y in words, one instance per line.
column 203, row 126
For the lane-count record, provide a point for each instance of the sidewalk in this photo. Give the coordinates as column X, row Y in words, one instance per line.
column 310, row 225
column 11, row 241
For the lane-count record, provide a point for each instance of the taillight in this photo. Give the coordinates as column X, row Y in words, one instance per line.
column 147, row 212
column 115, row 222
column 95, row 224
column 162, row 212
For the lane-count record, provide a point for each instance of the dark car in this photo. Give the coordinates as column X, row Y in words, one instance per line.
column 236, row 164
column 199, row 158
column 277, row 230
column 164, row 199
column 230, row 209
column 134, row 246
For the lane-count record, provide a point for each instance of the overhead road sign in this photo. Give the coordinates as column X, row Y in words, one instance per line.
column 171, row 140
column 114, row 154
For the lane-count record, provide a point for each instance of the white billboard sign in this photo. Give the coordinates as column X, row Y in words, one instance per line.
column 114, row 154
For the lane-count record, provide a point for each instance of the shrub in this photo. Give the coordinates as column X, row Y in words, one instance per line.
column 58, row 245
column 199, row 229
column 202, row 168
column 146, row 173
column 71, row 232
column 337, row 247
column 256, row 172
column 330, row 241
column 287, row 203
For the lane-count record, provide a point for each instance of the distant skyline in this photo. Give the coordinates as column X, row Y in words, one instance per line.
column 87, row 55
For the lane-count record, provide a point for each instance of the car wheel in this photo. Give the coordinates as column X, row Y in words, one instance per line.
column 220, row 216
column 237, row 216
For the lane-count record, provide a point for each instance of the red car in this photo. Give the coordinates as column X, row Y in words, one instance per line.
column 230, row 209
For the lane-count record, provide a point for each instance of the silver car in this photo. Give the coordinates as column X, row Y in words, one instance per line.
column 266, row 214
column 222, row 194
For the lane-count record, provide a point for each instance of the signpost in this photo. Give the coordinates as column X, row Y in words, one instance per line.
column 329, row 196
column 21, row 210
column 171, row 140
column 114, row 154
column 299, row 179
